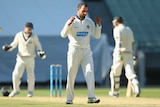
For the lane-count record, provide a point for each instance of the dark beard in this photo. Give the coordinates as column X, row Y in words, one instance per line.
column 80, row 17
column 83, row 17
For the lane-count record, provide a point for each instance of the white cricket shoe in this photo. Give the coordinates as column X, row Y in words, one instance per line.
column 13, row 93
column 93, row 100
column 30, row 94
column 112, row 94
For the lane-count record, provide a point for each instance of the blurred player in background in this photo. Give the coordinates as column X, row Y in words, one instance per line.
column 28, row 43
column 78, row 29
column 123, row 55
column 0, row 29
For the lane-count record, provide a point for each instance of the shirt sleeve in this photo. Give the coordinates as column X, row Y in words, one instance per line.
column 37, row 44
column 66, row 29
column 116, row 34
column 132, row 38
column 117, row 38
column 14, row 44
column 95, row 29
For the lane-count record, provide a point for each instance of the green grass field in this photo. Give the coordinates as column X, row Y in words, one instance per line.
column 150, row 97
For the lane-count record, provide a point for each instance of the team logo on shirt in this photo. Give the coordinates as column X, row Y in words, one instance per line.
column 82, row 33
column 30, row 42
column 88, row 27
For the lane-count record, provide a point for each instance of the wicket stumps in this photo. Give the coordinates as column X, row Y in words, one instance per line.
column 56, row 75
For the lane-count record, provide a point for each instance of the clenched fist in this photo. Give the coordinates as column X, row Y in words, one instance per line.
column 98, row 20
column 71, row 20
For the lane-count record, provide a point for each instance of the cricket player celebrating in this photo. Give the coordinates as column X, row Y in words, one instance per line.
column 123, row 55
column 27, row 43
column 78, row 29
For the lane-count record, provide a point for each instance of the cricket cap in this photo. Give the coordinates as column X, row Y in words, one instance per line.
column 29, row 24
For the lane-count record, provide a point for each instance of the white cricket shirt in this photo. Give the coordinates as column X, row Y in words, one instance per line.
column 26, row 47
column 79, row 32
column 124, row 38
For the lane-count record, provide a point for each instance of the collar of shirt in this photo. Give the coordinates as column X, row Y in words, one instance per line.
column 26, row 36
column 79, row 18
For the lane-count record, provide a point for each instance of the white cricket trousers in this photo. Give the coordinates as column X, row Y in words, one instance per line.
column 77, row 56
column 23, row 64
column 126, row 60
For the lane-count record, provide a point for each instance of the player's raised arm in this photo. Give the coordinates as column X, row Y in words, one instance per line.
column 67, row 27
column 96, row 29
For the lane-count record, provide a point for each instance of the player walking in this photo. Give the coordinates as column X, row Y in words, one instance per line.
column 27, row 43
column 78, row 29
column 123, row 55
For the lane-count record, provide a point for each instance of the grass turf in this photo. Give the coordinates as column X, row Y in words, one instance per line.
column 150, row 97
